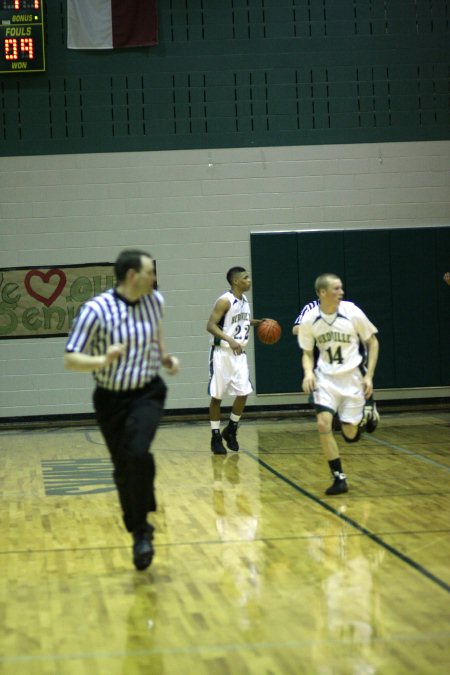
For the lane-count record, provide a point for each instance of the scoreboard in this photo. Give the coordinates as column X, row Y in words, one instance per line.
column 21, row 36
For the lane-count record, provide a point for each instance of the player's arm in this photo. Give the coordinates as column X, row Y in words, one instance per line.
column 219, row 310
column 295, row 329
column 309, row 381
column 373, row 348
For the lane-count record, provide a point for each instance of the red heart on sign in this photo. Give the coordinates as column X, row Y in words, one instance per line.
column 45, row 277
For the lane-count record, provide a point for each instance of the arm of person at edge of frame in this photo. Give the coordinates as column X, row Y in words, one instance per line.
column 169, row 361
column 446, row 278
column 373, row 348
column 85, row 363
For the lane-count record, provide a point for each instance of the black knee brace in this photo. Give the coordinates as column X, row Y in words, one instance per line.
column 352, row 440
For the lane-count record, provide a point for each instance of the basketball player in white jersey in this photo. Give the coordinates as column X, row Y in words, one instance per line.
column 229, row 324
column 338, row 383
column 295, row 330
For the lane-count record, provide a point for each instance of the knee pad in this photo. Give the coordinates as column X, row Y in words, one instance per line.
column 352, row 440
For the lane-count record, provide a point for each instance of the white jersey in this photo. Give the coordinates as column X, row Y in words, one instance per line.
column 235, row 322
column 337, row 337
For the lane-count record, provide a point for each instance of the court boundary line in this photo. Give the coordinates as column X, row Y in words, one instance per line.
column 411, row 453
column 227, row 648
column 353, row 523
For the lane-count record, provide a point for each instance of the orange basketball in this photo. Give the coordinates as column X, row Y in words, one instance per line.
column 268, row 331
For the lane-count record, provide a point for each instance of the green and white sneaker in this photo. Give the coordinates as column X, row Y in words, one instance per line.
column 371, row 417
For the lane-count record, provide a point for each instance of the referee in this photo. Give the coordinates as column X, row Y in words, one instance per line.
column 118, row 337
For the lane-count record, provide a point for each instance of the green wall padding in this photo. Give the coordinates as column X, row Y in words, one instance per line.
column 443, row 301
column 368, row 284
column 240, row 73
column 395, row 276
column 275, row 282
column 415, row 307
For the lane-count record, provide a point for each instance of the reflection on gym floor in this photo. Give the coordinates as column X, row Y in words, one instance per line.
column 256, row 570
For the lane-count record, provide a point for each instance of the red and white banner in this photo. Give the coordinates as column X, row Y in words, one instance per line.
column 42, row 302
column 110, row 24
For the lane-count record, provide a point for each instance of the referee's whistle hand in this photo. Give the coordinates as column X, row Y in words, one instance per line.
column 114, row 352
column 171, row 364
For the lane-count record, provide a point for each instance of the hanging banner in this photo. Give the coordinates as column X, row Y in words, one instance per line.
column 43, row 302
column 110, row 24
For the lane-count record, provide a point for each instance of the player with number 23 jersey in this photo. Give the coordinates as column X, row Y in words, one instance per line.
column 236, row 322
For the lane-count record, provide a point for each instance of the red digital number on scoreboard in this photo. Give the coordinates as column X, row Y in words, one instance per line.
column 23, row 4
column 19, row 49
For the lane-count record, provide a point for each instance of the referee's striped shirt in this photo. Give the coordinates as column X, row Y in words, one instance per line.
column 109, row 318
column 305, row 309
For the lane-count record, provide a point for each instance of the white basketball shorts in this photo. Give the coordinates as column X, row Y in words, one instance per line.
column 343, row 394
column 228, row 373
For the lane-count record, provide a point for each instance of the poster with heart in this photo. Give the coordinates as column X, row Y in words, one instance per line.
column 43, row 301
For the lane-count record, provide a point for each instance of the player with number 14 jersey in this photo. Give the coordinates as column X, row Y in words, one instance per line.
column 337, row 336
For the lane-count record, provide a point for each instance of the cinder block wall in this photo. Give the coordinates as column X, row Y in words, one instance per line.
column 194, row 211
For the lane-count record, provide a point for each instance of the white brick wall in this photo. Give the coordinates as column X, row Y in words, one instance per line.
column 194, row 211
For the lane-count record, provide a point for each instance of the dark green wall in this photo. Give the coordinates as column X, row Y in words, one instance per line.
column 234, row 73
column 395, row 276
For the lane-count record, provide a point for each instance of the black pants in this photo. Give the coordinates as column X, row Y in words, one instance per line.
column 129, row 421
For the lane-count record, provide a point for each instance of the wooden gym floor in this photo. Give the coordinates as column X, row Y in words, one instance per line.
column 256, row 571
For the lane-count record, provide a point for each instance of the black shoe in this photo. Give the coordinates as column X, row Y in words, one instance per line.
column 229, row 434
column 143, row 548
column 217, row 446
column 371, row 417
column 339, row 486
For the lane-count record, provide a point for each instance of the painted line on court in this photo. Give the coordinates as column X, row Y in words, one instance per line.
column 227, row 648
column 411, row 453
column 353, row 523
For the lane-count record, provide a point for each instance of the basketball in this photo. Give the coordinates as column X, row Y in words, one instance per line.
column 268, row 331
